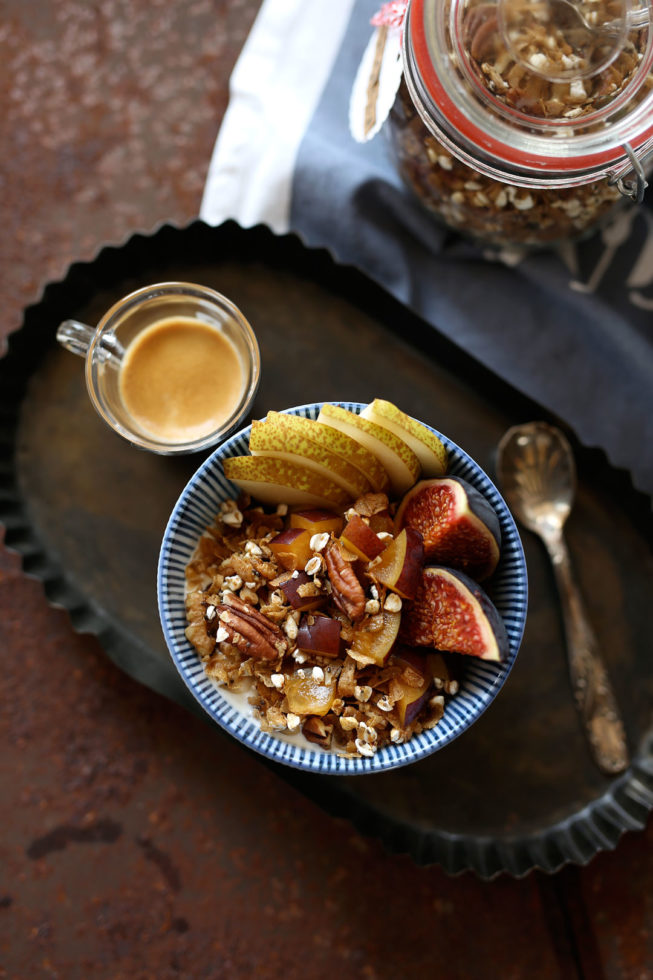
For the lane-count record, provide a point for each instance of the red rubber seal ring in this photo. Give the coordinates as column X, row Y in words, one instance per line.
column 483, row 140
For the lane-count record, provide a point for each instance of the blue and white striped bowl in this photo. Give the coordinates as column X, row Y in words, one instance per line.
column 196, row 509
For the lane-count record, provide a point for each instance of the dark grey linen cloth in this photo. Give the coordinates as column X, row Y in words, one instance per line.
column 585, row 356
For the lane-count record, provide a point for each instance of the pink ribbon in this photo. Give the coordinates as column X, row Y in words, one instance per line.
column 391, row 14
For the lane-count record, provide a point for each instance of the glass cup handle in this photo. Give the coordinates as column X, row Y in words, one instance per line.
column 76, row 337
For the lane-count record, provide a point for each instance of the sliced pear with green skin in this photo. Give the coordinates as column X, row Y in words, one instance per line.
column 425, row 444
column 398, row 459
column 338, row 443
column 278, row 481
column 278, row 441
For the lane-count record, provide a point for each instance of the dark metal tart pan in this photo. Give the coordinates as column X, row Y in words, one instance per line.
column 87, row 511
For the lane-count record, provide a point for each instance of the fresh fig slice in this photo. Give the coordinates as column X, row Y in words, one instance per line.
column 452, row 612
column 459, row 527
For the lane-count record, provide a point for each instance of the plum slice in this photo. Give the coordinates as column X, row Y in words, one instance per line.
column 292, row 548
column 400, row 564
column 319, row 634
column 414, row 684
column 360, row 539
column 317, row 521
column 301, row 593
column 446, row 671
column 459, row 527
column 452, row 612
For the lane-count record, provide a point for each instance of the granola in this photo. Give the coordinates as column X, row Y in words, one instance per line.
column 243, row 624
column 532, row 71
column 543, row 63
column 485, row 208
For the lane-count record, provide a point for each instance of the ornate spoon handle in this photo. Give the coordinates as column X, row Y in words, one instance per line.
column 591, row 685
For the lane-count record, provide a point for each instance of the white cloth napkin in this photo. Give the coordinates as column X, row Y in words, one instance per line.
column 273, row 93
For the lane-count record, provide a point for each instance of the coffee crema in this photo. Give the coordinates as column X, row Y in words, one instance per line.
column 180, row 379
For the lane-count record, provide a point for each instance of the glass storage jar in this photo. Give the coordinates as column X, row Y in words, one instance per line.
column 520, row 123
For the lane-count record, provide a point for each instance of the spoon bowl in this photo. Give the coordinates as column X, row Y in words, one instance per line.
column 632, row 20
column 538, row 475
column 591, row 44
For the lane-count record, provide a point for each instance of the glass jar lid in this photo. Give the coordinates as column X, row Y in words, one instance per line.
column 542, row 90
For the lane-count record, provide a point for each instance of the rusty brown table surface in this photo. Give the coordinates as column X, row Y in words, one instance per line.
column 123, row 853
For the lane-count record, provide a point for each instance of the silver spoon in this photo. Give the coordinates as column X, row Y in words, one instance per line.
column 536, row 471
column 635, row 19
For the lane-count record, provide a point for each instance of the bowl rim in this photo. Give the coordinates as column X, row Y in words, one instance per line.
column 481, row 685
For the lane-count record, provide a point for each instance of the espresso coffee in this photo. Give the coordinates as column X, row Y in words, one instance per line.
column 180, row 379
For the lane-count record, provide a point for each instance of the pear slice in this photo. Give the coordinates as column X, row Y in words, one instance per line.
column 279, row 481
column 338, row 443
column 278, row 441
column 398, row 459
column 425, row 444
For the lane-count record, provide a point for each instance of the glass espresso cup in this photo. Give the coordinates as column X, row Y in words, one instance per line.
column 172, row 367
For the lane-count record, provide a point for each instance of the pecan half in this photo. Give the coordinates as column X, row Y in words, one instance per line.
column 348, row 593
column 249, row 631
column 256, row 618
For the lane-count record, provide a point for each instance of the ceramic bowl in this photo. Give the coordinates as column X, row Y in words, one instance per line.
column 196, row 509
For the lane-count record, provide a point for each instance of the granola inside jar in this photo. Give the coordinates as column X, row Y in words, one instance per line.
column 523, row 122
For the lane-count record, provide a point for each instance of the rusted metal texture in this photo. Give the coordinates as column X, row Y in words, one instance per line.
column 135, row 842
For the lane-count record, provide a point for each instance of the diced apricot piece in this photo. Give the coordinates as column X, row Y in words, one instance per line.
column 307, row 696
column 401, row 563
column 361, row 540
column 292, row 548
